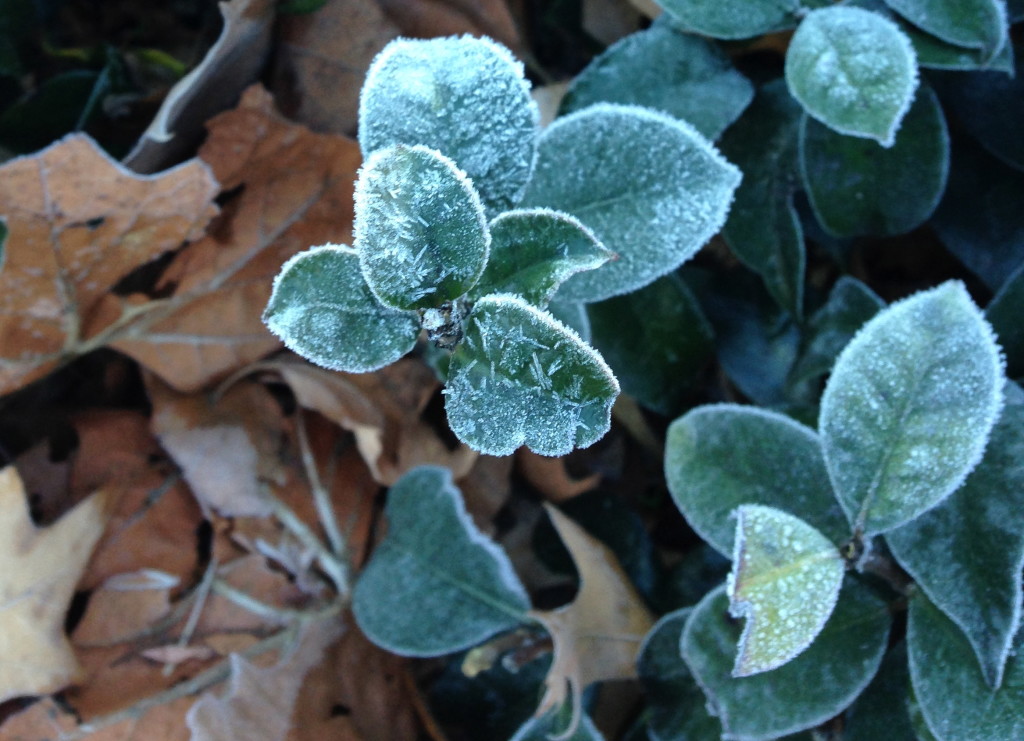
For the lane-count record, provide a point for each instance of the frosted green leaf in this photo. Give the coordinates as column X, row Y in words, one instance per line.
column 967, row 554
column 909, row 407
column 419, row 228
column 858, row 189
column 519, row 377
column 785, row 581
column 763, row 229
column 534, row 251
column 322, row 309
column 735, row 19
column 934, row 53
column 850, row 305
column 435, row 584
column 651, row 188
column 979, row 24
column 956, row 702
column 465, row 97
column 810, row 689
column 854, row 71
column 661, row 68
column 656, row 340
column 1004, row 313
column 720, row 456
column 676, row 706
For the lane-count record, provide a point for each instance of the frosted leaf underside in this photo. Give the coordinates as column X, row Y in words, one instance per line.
column 853, row 70
column 467, row 98
column 909, row 407
column 419, row 228
column 322, row 309
column 521, row 377
column 534, row 251
column 436, row 584
column 785, row 582
column 650, row 187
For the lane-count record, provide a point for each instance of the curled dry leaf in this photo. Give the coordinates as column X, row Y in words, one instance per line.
column 79, row 222
column 551, row 478
column 40, row 571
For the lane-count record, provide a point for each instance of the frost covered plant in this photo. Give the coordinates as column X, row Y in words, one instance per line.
column 467, row 225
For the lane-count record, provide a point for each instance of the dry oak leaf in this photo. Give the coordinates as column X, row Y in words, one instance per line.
column 292, row 189
column 597, row 636
column 40, row 571
column 79, row 222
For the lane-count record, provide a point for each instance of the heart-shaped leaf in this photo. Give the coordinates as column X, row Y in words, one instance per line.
column 785, row 581
column 322, row 309
column 533, row 251
column 521, row 377
column 853, row 70
column 652, row 189
column 465, row 97
column 436, row 584
column 909, row 407
column 419, row 228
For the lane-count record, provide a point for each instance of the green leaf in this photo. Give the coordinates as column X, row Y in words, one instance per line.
column 572, row 314
column 436, row 584
column 419, row 228
column 881, row 711
column 676, row 706
column 521, row 377
column 1004, row 313
column 934, row 53
column 763, row 229
column 956, row 702
column 857, row 188
column 463, row 96
column 850, row 305
column 785, row 581
column 661, row 68
column 534, row 251
column 322, row 309
column 734, row 19
column 967, row 554
column 807, row 691
column 652, row 189
column 853, row 70
column 720, row 456
column 909, row 407
column 979, row 24
column 656, row 340
column 979, row 219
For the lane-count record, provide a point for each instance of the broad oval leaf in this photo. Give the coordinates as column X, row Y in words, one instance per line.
column 519, row 377
column 854, row 71
column 322, row 309
column 909, row 407
column 465, row 97
column 967, row 554
column 785, row 581
column 419, row 228
column 720, row 456
column 533, row 251
column 435, row 584
column 858, row 189
column 652, row 189
column 979, row 24
column 956, row 702
column 810, row 689
column 661, row 68
column 733, row 19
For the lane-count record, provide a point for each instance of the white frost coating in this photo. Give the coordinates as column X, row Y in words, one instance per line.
column 853, row 70
column 785, row 581
column 649, row 186
column 465, row 96
column 909, row 407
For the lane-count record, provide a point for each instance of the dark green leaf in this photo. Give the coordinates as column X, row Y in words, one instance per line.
column 435, row 584
column 655, row 339
column 881, row 711
column 1004, row 312
column 979, row 24
column 652, row 189
column 661, row 68
column 322, row 309
column 857, row 188
column 48, row 113
column 734, row 19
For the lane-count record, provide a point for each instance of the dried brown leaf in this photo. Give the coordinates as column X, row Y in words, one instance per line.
column 79, row 222
column 551, row 478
